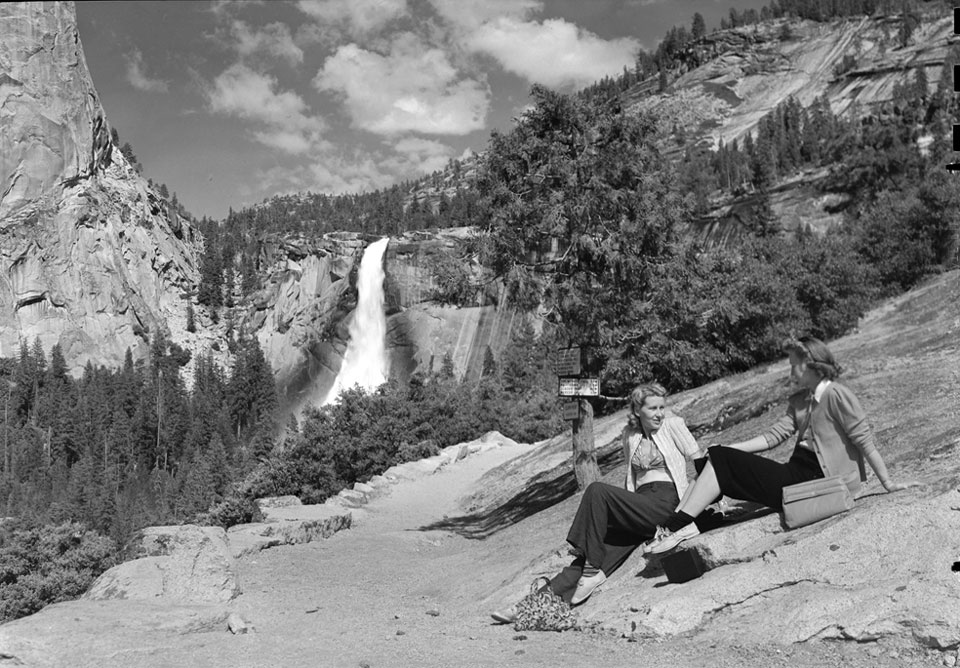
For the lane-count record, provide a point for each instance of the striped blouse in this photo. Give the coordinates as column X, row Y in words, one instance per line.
column 675, row 443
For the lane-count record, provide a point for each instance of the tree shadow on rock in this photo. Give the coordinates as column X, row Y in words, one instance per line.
column 541, row 492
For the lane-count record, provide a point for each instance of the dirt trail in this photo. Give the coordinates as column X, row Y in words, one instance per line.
column 386, row 593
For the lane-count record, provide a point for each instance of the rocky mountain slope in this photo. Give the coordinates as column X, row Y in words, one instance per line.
column 405, row 570
column 90, row 257
column 855, row 63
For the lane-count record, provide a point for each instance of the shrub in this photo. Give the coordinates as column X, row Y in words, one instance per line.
column 46, row 564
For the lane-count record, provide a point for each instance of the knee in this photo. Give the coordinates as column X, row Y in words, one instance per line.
column 595, row 490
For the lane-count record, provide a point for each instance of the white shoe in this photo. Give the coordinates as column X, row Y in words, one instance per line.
column 505, row 616
column 586, row 586
column 665, row 540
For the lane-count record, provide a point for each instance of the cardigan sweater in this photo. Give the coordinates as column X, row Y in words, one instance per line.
column 675, row 443
column 836, row 428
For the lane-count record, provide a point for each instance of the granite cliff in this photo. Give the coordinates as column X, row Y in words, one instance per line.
column 90, row 257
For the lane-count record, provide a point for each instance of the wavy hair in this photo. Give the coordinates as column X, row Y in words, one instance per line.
column 638, row 396
column 815, row 354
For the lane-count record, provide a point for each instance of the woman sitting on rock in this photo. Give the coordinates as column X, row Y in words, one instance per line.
column 834, row 440
column 612, row 521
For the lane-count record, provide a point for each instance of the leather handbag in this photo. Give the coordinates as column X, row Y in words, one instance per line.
column 814, row 500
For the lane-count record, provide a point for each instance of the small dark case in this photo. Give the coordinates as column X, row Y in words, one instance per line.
column 683, row 566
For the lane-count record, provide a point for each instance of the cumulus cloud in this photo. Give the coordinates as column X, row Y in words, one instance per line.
column 356, row 17
column 359, row 170
column 554, row 52
column 469, row 16
column 138, row 77
column 286, row 123
column 415, row 155
column 413, row 88
column 273, row 40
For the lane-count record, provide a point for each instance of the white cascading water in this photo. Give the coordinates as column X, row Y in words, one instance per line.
column 365, row 361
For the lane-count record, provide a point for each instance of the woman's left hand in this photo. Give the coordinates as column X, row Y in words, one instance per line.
column 891, row 486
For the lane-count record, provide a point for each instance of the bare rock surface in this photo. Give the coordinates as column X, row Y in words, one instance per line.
column 185, row 564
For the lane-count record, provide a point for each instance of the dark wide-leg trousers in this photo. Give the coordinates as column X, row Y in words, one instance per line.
column 609, row 525
column 751, row 477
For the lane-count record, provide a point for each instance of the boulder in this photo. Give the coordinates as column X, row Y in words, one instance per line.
column 185, row 564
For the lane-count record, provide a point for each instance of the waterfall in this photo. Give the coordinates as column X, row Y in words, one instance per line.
column 365, row 361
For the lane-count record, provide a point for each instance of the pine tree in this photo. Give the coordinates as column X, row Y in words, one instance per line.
column 489, row 364
column 191, row 321
column 698, row 27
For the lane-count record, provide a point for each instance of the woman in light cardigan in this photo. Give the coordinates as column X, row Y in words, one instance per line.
column 611, row 521
column 834, row 439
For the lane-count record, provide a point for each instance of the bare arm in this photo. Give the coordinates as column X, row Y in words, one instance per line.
column 755, row 444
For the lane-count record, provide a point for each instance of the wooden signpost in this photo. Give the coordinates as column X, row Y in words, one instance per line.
column 577, row 409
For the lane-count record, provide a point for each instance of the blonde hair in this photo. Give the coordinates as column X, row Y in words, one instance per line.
column 639, row 396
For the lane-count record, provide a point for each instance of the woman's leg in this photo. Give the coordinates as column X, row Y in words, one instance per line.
column 701, row 493
column 611, row 519
column 739, row 475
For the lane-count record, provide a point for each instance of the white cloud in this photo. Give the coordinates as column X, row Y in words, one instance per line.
column 358, row 171
column 415, row 155
column 138, row 77
column 273, row 40
column 555, row 52
column 414, row 88
column 356, row 17
column 469, row 16
column 244, row 93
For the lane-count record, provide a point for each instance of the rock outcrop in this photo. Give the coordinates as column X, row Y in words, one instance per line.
column 180, row 564
column 90, row 257
column 748, row 71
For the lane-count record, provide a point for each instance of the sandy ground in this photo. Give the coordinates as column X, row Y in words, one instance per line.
column 386, row 593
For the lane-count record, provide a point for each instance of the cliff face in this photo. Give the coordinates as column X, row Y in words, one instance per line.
column 751, row 70
column 89, row 256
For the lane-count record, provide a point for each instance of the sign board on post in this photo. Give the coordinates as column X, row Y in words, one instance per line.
column 579, row 387
column 571, row 409
column 568, row 362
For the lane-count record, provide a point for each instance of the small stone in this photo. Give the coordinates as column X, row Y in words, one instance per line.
column 520, row 637
column 310, row 611
column 396, row 616
column 949, row 659
column 401, row 632
column 874, row 651
column 364, row 664
column 237, row 625
column 433, row 612
column 519, row 652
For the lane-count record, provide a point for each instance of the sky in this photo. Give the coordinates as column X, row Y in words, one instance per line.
column 230, row 103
